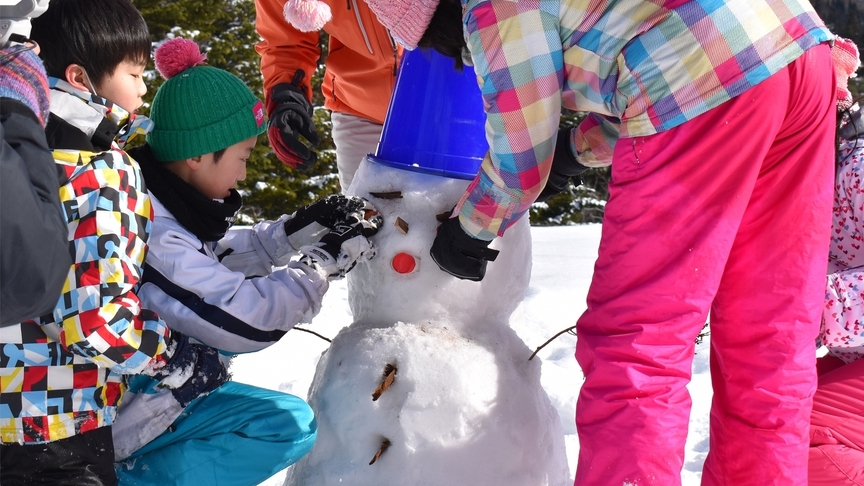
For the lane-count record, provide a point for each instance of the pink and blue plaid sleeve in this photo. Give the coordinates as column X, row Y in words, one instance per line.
column 519, row 64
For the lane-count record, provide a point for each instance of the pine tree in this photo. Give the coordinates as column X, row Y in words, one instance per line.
column 225, row 31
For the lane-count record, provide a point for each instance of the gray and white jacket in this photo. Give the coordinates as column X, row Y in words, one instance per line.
column 240, row 294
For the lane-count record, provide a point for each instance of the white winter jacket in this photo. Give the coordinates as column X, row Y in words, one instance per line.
column 226, row 295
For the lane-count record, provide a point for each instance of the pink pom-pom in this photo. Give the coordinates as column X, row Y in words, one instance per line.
column 307, row 15
column 177, row 55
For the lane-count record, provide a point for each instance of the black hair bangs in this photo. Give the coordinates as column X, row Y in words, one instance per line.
column 97, row 35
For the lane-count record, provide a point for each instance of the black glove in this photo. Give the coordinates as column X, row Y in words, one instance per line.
column 341, row 248
column 854, row 127
column 192, row 371
column 308, row 224
column 291, row 116
column 459, row 254
column 565, row 165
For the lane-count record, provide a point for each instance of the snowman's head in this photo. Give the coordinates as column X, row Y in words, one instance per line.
column 402, row 283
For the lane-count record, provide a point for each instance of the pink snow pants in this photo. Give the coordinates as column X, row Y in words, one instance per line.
column 837, row 428
column 729, row 212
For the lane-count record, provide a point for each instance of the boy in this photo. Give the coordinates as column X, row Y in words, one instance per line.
column 222, row 290
column 60, row 374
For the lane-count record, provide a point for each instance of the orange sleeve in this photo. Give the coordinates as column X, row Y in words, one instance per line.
column 283, row 49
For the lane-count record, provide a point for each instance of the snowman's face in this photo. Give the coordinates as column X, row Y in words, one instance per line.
column 402, row 283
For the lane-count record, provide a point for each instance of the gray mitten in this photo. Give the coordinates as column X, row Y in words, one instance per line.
column 341, row 248
column 309, row 224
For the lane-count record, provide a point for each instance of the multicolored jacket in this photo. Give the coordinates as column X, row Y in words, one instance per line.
column 60, row 374
column 361, row 61
column 637, row 67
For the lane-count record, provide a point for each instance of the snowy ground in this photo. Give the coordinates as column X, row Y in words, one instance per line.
column 563, row 259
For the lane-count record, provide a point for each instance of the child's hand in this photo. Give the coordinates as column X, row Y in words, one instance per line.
column 459, row 254
column 192, row 371
column 341, row 248
column 309, row 224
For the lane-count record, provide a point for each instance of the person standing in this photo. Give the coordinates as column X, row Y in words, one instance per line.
column 360, row 72
column 718, row 121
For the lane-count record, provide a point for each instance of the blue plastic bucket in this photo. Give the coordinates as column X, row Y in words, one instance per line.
column 435, row 122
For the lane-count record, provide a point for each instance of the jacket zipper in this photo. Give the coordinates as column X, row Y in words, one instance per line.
column 395, row 52
column 362, row 27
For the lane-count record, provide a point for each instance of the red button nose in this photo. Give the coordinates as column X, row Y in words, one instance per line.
column 404, row 263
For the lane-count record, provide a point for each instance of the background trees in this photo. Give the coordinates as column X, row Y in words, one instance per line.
column 225, row 30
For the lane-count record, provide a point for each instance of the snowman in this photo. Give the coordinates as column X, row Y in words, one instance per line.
column 430, row 385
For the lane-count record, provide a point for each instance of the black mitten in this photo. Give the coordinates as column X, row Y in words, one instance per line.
column 192, row 371
column 459, row 254
column 565, row 165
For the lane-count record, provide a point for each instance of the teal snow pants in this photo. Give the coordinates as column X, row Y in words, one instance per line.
column 236, row 435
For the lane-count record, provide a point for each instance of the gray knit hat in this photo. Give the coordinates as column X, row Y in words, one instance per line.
column 199, row 109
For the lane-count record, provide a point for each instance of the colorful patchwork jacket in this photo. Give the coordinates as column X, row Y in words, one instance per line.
column 60, row 373
column 637, row 67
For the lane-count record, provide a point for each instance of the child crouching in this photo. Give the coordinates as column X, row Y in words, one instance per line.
column 220, row 287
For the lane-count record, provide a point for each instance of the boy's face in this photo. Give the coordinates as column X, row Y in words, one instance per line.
column 125, row 86
column 216, row 179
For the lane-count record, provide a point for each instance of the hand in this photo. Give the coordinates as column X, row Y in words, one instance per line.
column 308, row 224
column 291, row 116
column 341, row 248
column 565, row 165
column 459, row 254
column 192, row 371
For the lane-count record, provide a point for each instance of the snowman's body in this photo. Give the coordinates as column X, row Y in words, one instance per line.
column 464, row 405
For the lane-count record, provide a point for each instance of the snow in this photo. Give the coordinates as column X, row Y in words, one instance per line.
column 459, row 424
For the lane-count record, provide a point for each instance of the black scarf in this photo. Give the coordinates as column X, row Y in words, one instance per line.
column 206, row 218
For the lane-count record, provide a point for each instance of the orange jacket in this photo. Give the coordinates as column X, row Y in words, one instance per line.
column 360, row 67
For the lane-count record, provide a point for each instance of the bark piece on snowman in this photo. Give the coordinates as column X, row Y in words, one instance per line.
column 389, row 377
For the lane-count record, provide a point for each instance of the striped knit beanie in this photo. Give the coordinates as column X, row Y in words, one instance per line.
column 199, row 109
column 23, row 78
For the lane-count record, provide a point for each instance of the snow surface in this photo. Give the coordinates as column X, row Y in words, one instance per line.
column 563, row 259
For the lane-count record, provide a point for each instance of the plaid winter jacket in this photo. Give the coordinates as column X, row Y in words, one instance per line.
column 60, row 373
column 637, row 67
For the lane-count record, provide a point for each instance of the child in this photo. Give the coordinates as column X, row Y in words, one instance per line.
column 837, row 422
column 717, row 120
column 60, row 375
column 222, row 290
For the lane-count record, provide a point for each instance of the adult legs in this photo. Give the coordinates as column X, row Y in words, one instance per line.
column 354, row 137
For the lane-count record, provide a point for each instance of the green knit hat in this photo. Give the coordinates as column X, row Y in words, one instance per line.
column 199, row 109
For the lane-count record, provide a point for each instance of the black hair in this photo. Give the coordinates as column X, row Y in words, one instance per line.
column 217, row 155
column 444, row 33
column 96, row 34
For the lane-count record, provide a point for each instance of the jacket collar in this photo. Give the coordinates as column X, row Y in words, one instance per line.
column 96, row 116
